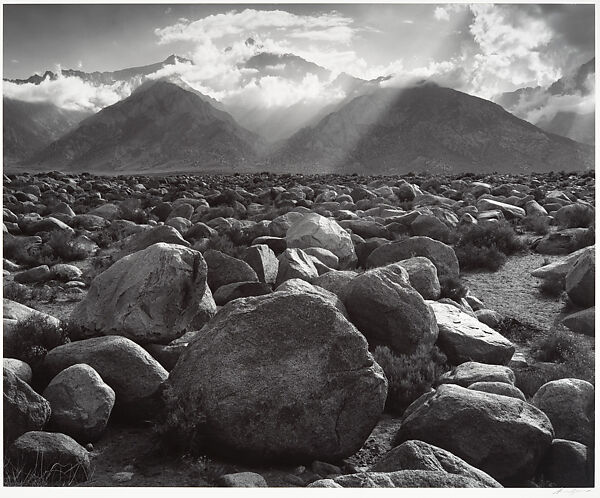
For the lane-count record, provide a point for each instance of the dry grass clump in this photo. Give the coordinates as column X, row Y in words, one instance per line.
column 409, row 376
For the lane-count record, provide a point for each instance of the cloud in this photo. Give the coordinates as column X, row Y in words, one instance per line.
column 14, row 61
column 69, row 93
column 441, row 14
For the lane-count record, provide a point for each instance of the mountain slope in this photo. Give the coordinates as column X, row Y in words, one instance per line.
column 427, row 128
column 160, row 127
column 28, row 127
column 566, row 107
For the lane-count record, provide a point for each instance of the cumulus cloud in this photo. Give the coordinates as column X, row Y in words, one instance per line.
column 441, row 14
column 69, row 93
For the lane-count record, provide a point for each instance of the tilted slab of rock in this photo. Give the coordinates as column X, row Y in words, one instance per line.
column 580, row 282
column 464, row 338
column 582, row 322
column 508, row 210
column 295, row 263
column 151, row 296
column 399, row 479
column 470, row 372
column 280, row 377
column 224, row 269
column 500, row 388
column 125, row 366
column 302, row 287
column 384, row 306
column 503, row 436
column 154, row 235
column 314, row 230
column 418, row 455
column 559, row 269
column 422, row 274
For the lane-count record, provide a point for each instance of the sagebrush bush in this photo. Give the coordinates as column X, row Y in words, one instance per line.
column 453, row 288
column 38, row 335
column 16, row 292
column 486, row 245
column 517, row 331
column 179, row 430
column 537, row 224
column 409, row 376
column 64, row 246
column 223, row 243
column 552, row 287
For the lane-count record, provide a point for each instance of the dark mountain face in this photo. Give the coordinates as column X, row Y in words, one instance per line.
column 28, row 127
column 160, row 127
column 427, row 128
column 105, row 77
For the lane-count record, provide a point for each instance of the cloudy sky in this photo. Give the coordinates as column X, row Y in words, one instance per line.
column 482, row 49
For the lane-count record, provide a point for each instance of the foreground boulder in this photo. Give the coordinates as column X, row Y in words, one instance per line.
column 558, row 270
column 279, row 377
column 314, row 230
column 162, row 233
column 295, row 263
column 423, row 276
column 440, row 254
column 19, row 368
column 399, row 479
column 582, row 322
column 81, row 403
column 384, row 307
column 569, row 464
column 569, row 404
column 12, row 314
column 125, row 366
column 224, row 269
column 418, row 455
column 151, row 296
column 505, row 437
column 57, row 456
column 24, row 409
column 464, row 338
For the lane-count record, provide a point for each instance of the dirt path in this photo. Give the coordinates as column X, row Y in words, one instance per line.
column 513, row 292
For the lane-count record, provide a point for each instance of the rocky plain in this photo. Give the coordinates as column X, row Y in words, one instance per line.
column 296, row 330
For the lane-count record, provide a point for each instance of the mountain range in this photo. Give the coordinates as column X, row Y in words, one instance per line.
column 167, row 125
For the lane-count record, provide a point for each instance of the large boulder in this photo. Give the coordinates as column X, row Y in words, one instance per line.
column 423, row 276
column 384, row 307
column 279, row 377
column 464, row 338
column 224, row 269
column 501, row 388
column 580, row 281
column 295, row 263
column 151, row 296
column 569, row 464
column 503, row 436
column 126, row 367
column 57, row 456
column 565, row 241
column 569, row 404
column 162, row 233
column 440, row 254
column 263, row 261
column 507, row 210
column 19, row 368
column 299, row 286
column 575, row 215
column 336, row 281
column 399, row 479
column 314, row 230
column 81, row 403
column 24, row 409
column 418, row 455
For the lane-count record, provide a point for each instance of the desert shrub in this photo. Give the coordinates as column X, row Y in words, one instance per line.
column 16, row 292
column 179, row 431
column 453, row 288
column 409, row 376
column 537, row 224
column 63, row 245
column 38, row 335
column 552, row 287
column 104, row 238
column 222, row 242
column 30, row 474
column 42, row 255
column 486, row 245
column 475, row 257
column 517, row 331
